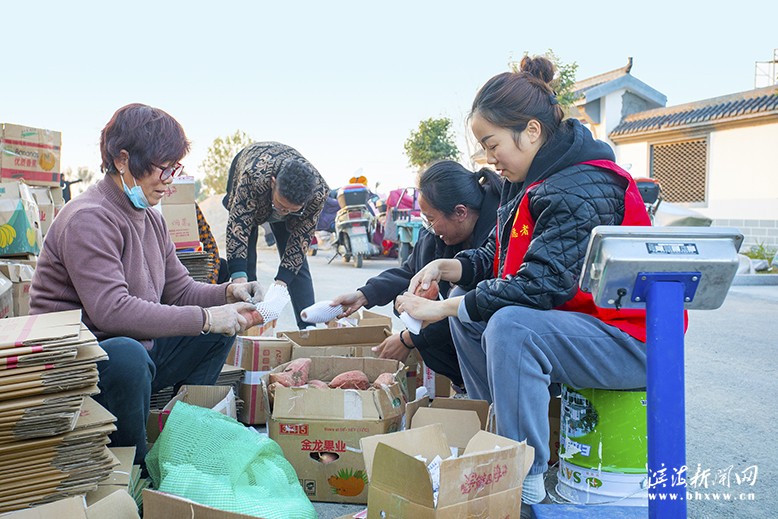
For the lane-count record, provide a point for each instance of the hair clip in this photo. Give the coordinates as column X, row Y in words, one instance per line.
column 552, row 99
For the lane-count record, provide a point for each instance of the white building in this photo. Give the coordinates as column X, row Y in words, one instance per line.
column 717, row 156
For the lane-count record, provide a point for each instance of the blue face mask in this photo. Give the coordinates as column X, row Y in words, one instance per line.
column 136, row 196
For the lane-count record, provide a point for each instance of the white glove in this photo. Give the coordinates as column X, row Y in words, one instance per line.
column 250, row 292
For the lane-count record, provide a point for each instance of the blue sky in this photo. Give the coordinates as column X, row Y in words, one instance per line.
column 344, row 82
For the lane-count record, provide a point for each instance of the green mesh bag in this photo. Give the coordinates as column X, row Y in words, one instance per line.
column 216, row 461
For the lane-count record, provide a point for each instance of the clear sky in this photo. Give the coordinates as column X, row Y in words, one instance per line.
column 344, row 82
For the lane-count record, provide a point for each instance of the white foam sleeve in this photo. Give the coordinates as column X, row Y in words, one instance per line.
column 276, row 299
column 321, row 312
column 413, row 324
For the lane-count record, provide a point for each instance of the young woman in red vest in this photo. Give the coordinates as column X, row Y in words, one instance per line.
column 520, row 323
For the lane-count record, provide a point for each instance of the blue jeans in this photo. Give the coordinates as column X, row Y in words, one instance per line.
column 512, row 359
column 131, row 374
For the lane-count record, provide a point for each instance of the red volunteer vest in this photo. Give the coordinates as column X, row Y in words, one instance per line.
column 632, row 322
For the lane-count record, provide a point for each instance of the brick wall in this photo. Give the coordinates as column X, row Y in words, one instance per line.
column 755, row 231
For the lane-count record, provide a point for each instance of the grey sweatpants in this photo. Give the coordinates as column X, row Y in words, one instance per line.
column 512, row 359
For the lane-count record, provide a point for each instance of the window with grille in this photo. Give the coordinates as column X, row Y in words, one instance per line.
column 681, row 170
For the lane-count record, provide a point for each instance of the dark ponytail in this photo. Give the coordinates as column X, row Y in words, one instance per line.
column 446, row 184
column 511, row 99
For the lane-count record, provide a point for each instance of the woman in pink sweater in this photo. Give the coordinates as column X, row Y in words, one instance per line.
column 109, row 255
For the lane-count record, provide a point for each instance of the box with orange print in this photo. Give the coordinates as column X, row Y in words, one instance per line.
column 257, row 356
column 319, row 430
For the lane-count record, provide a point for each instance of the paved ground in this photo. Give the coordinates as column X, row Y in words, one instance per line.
column 731, row 390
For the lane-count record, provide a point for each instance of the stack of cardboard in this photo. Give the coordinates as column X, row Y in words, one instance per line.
column 200, row 264
column 52, row 435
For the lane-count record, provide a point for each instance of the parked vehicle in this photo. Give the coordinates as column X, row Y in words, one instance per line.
column 404, row 221
column 355, row 224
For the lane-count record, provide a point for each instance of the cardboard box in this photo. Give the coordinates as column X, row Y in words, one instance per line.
column 31, row 154
column 50, row 202
column 257, row 356
column 363, row 318
column 262, row 330
column 485, row 481
column 117, row 505
column 20, row 274
column 319, row 430
column 218, row 398
column 350, row 342
column 436, row 384
column 157, row 505
column 6, row 297
column 178, row 208
column 344, row 342
column 20, row 228
column 460, row 418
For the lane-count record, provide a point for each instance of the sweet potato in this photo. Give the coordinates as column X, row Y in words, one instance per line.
column 318, row 384
column 294, row 375
column 384, row 379
column 431, row 293
column 350, row 380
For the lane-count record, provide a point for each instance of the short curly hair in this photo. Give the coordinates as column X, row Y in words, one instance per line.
column 295, row 181
column 149, row 135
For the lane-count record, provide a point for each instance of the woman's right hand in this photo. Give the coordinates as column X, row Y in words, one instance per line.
column 351, row 302
column 424, row 278
column 232, row 319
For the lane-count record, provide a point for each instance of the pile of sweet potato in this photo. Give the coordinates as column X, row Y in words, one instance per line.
column 296, row 375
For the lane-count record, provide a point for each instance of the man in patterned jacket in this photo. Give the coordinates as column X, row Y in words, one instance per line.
column 271, row 182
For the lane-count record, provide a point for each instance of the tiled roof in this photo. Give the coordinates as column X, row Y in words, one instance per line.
column 582, row 86
column 743, row 105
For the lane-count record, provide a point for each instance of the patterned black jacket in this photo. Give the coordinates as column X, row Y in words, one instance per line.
column 249, row 199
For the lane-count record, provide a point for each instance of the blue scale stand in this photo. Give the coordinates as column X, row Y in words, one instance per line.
column 666, row 270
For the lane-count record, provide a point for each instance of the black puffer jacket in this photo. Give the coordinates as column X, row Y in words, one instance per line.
column 572, row 200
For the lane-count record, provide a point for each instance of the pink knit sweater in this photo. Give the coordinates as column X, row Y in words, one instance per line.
column 118, row 265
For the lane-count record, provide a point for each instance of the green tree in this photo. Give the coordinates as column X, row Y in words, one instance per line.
column 433, row 141
column 564, row 79
column 217, row 161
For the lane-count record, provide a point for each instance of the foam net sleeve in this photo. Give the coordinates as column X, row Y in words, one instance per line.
column 276, row 299
column 321, row 312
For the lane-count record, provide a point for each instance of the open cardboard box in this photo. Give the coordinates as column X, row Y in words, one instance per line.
column 257, row 356
column 349, row 342
column 158, row 505
column 218, row 398
column 363, row 318
column 460, row 418
column 20, row 274
column 319, row 430
column 343, row 342
column 485, row 481
column 117, row 505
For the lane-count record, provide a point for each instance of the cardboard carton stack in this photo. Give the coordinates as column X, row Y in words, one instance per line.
column 178, row 209
column 30, row 156
column 52, row 435
column 20, row 228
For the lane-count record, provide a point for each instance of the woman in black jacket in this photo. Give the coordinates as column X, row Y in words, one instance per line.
column 459, row 207
column 522, row 323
